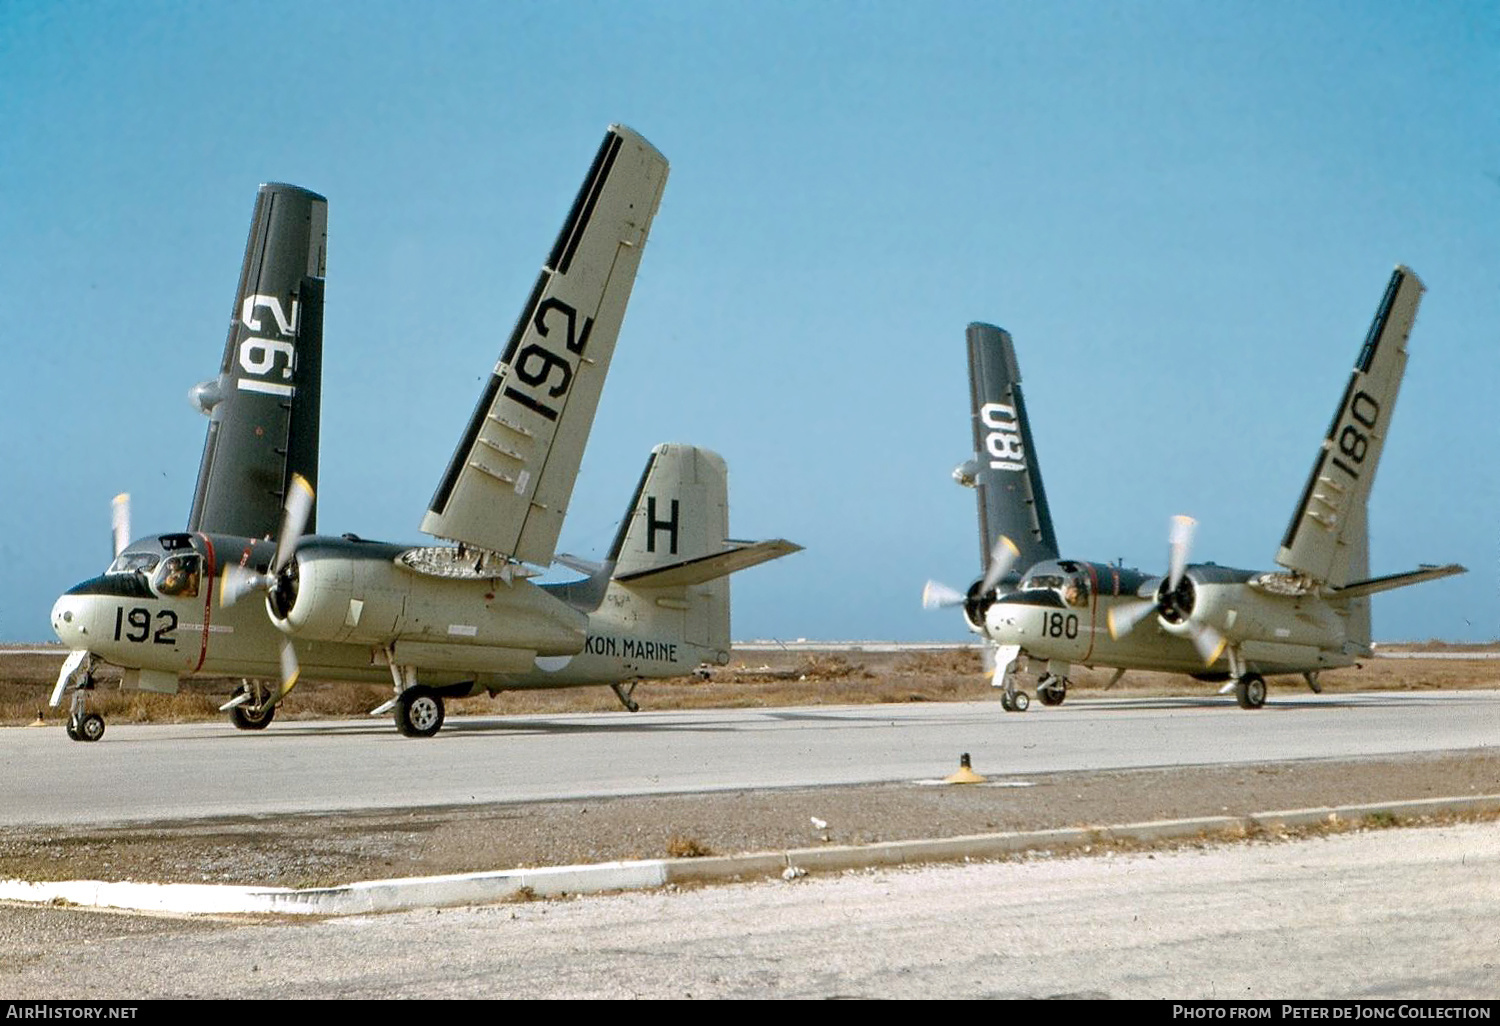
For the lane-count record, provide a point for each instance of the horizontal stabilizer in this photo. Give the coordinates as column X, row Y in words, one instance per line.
column 710, row 568
column 1376, row 584
column 578, row 563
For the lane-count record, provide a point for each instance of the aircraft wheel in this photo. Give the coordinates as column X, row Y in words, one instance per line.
column 246, row 718
column 72, row 728
column 1006, row 703
column 419, row 712
column 1053, row 692
column 1250, row 691
column 1021, row 701
column 90, row 728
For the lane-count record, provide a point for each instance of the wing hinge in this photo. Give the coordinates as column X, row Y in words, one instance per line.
column 511, row 426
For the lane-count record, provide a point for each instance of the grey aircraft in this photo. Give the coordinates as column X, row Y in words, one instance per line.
column 436, row 620
column 1212, row 622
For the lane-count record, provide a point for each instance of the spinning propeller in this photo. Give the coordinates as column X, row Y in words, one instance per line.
column 1175, row 599
column 279, row 582
column 1003, row 556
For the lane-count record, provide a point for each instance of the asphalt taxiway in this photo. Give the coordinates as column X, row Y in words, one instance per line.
column 189, row 771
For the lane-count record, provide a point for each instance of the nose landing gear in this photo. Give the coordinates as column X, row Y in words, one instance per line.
column 78, row 671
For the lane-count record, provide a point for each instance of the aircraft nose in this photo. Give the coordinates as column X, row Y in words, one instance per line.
column 67, row 620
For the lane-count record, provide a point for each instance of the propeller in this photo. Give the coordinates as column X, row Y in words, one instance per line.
column 239, row 581
column 119, row 521
column 1174, row 599
column 936, row 595
column 290, row 671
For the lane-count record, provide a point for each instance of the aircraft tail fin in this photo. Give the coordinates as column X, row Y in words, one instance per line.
column 1004, row 471
column 1327, row 540
column 263, row 408
column 672, row 555
column 511, row 477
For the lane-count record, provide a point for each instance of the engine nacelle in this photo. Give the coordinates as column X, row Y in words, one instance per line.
column 1242, row 613
column 341, row 594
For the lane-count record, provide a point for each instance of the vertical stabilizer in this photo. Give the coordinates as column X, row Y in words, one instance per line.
column 1327, row 541
column 263, row 408
column 1005, row 472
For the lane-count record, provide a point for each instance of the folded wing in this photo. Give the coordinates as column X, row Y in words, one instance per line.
column 508, row 484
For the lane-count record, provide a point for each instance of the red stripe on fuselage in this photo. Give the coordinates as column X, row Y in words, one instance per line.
column 208, row 598
column 1093, row 610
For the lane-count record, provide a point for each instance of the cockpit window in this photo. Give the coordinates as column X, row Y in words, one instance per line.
column 133, row 562
column 1072, row 587
column 177, row 577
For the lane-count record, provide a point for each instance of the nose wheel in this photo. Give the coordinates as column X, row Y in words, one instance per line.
column 83, row 725
column 1014, row 701
column 88, row 727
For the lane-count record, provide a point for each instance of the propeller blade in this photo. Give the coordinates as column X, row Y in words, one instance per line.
column 1181, row 540
column 299, row 502
column 937, row 595
column 237, row 581
column 119, row 521
column 1123, row 618
column 289, row 668
column 1209, row 642
column 1002, row 558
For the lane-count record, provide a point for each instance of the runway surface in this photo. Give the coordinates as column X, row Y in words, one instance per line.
column 190, row 771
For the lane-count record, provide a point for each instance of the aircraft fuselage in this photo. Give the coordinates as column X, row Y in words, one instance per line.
column 1061, row 612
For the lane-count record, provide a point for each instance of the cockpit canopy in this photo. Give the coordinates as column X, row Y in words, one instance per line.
column 1068, row 580
column 168, row 564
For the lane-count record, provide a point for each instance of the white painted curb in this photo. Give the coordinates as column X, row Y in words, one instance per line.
column 481, row 888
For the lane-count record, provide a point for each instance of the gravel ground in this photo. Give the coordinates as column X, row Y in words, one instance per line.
column 327, row 849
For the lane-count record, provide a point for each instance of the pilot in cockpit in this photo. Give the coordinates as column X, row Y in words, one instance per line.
column 179, row 577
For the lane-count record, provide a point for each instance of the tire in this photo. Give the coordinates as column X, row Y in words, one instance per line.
column 72, row 729
column 90, row 728
column 1053, row 694
column 244, row 718
column 419, row 712
column 1022, row 701
column 1006, row 703
column 1250, row 691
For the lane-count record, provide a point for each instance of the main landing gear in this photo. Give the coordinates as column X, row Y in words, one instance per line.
column 251, row 707
column 419, row 711
column 1250, row 691
column 1052, row 689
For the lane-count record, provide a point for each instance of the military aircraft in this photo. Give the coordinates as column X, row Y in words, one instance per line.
column 437, row 620
column 1212, row 622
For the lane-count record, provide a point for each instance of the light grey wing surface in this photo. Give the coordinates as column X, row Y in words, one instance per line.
column 263, row 408
column 508, row 484
column 1326, row 539
column 1007, row 478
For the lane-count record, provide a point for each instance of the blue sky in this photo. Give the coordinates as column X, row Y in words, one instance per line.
column 1184, row 212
